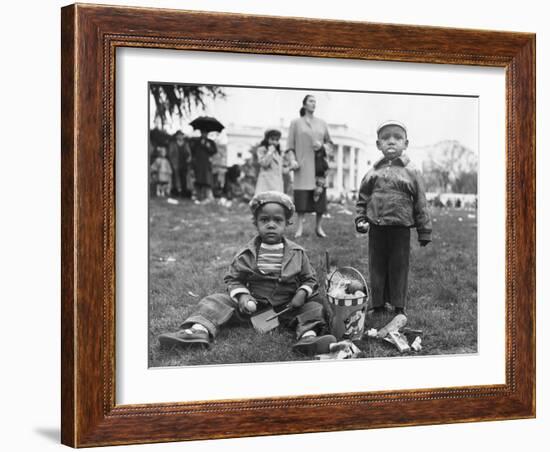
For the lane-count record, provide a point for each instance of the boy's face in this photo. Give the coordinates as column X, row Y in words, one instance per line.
column 392, row 141
column 271, row 223
column 162, row 152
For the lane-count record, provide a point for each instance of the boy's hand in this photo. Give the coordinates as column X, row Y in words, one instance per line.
column 247, row 303
column 299, row 299
column 362, row 227
column 424, row 242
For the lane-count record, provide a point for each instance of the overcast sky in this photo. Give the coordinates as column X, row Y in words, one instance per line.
column 429, row 119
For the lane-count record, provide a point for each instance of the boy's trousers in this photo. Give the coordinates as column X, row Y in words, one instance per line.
column 389, row 251
column 218, row 309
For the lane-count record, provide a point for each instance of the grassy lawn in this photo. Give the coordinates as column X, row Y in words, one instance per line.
column 191, row 247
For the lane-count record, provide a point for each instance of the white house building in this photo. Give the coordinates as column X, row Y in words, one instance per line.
column 352, row 155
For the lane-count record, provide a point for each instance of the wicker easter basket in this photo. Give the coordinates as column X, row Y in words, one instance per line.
column 349, row 311
column 347, row 274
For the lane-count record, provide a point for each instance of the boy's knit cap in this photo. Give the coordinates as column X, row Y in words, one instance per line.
column 272, row 196
column 391, row 122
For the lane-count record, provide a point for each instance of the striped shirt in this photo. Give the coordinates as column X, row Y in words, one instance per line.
column 270, row 258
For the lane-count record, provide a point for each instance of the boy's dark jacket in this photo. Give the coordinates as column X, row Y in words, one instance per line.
column 392, row 194
column 296, row 272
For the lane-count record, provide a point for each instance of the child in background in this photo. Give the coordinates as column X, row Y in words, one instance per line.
column 232, row 188
column 161, row 172
column 269, row 272
column 270, row 161
column 392, row 200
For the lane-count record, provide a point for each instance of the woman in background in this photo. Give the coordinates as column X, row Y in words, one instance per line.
column 307, row 136
column 202, row 149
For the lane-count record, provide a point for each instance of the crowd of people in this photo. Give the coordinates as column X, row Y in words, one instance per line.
column 182, row 166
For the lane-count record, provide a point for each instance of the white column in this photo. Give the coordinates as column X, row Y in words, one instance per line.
column 352, row 151
column 339, row 169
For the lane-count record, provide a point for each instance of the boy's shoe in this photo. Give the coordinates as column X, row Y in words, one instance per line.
column 184, row 337
column 400, row 310
column 379, row 309
column 314, row 345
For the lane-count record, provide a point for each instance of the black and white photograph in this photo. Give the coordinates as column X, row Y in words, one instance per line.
column 291, row 224
column 391, row 149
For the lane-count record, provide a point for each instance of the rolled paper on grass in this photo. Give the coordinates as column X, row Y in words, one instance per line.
column 398, row 322
column 417, row 344
column 399, row 340
column 341, row 350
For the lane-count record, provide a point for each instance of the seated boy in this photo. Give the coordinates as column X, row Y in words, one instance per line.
column 270, row 272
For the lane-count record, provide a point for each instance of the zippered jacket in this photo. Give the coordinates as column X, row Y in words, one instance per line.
column 296, row 273
column 392, row 194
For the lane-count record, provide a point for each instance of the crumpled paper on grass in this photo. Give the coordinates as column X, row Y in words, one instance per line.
column 341, row 350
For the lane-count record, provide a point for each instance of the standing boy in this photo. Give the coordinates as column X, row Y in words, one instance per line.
column 391, row 201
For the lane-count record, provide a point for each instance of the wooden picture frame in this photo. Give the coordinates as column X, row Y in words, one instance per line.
column 90, row 36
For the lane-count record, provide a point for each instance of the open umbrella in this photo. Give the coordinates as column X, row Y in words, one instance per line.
column 207, row 123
